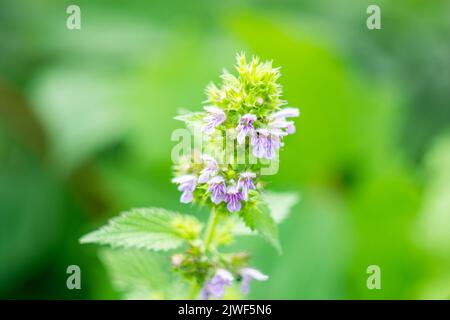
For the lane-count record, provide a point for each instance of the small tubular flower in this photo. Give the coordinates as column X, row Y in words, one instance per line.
column 266, row 143
column 214, row 118
column 218, row 189
column 286, row 113
column 249, row 274
column 187, row 185
column 278, row 120
column 216, row 286
column 210, row 169
column 290, row 128
column 245, row 127
column 233, row 198
column 245, row 183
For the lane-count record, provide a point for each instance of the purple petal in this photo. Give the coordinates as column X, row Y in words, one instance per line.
column 234, row 205
column 245, row 183
column 248, row 274
column 217, row 188
column 266, row 143
column 186, row 197
column 210, row 169
column 187, row 185
column 214, row 118
column 216, row 286
column 241, row 136
column 286, row 113
column 245, row 127
column 290, row 129
column 233, row 199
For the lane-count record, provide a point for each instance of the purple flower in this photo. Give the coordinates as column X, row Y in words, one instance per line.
column 217, row 188
column 265, row 143
column 281, row 124
column 290, row 128
column 278, row 119
column 210, row 170
column 187, row 185
column 233, row 198
column 245, row 183
column 245, row 127
column 214, row 118
column 216, row 286
column 286, row 113
column 248, row 274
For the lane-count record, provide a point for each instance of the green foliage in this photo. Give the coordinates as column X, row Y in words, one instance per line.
column 279, row 204
column 83, row 96
column 105, row 109
column 153, row 228
column 30, row 198
column 138, row 274
column 434, row 225
column 259, row 219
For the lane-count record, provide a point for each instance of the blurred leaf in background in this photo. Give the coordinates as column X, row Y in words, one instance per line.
column 86, row 118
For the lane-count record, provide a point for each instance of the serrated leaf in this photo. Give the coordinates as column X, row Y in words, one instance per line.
column 138, row 274
column 149, row 228
column 280, row 203
column 260, row 220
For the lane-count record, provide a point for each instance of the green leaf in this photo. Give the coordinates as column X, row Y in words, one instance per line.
column 433, row 224
column 191, row 119
column 280, row 203
column 89, row 97
column 138, row 274
column 260, row 220
column 150, row 228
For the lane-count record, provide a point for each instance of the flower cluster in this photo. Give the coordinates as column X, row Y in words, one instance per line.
column 265, row 137
column 248, row 111
column 213, row 180
column 249, row 106
column 216, row 274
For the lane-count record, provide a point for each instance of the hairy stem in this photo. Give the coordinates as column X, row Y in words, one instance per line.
column 194, row 290
column 211, row 228
column 209, row 235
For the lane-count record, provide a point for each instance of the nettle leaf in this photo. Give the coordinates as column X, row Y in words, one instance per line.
column 278, row 204
column 260, row 220
column 149, row 228
column 137, row 273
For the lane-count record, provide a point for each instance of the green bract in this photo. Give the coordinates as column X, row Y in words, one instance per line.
column 255, row 90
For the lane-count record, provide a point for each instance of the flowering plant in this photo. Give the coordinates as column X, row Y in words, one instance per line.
column 237, row 139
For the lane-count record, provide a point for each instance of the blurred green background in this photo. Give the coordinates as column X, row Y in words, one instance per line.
column 86, row 117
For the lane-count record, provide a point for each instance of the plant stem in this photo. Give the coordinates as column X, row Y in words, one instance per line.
column 194, row 290
column 211, row 228
column 209, row 235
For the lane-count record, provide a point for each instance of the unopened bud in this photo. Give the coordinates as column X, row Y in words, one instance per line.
column 177, row 260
